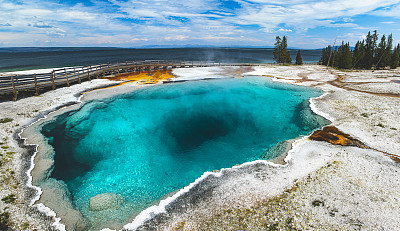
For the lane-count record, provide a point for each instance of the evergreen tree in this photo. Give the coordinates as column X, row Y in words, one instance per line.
column 370, row 49
column 299, row 60
column 347, row 57
column 395, row 57
column 381, row 53
column 359, row 55
column 334, row 59
column 326, row 56
column 387, row 61
column 288, row 59
column 281, row 53
column 365, row 55
column 278, row 50
column 343, row 57
column 285, row 51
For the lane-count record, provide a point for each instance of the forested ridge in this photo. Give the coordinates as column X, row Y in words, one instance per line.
column 366, row 54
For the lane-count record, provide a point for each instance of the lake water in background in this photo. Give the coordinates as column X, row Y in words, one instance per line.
column 25, row 58
column 155, row 140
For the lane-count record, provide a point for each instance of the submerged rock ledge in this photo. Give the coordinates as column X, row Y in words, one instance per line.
column 106, row 201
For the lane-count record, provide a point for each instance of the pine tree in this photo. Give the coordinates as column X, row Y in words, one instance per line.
column 299, row 60
column 335, row 57
column 359, row 54
column 395, row 57
column 326, row 56
column 288, row 59
column 365, row 55
column 387, row 61
column 285, row 51
column 347, row 57
column 281, row 53
column 381, row 53
column 278, row 50
column 343, row 58
column 370, row 49
column 323, row 60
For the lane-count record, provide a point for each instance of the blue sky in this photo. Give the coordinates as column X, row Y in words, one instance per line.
column 132, row 23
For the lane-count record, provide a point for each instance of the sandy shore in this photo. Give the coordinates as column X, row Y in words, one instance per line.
column 322, row 186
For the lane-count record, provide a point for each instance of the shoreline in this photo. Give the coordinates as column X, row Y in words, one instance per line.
column 313, row 105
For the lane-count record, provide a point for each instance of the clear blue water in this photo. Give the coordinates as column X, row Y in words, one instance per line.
column 27, row 58
column 153, row 141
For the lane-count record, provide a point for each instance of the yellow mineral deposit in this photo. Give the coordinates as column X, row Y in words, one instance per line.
column 147, row 77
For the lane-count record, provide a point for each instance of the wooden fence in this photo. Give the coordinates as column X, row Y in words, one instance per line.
column 13, row 84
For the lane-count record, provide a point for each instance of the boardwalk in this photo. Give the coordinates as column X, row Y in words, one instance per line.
column 12, row 85
column 15, row 84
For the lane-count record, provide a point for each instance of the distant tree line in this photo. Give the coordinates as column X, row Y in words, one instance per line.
column 282, row 54
column 366, row 54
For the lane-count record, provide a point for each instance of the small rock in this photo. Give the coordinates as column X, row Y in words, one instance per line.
column 106, row 201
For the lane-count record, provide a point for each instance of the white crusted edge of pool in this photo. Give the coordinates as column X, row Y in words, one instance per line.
column 189, row 74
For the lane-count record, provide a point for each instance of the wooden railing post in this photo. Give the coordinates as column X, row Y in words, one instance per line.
column 97, row 73
column 133, row 65
column 126, row 66
column 14, row 90
column 66, row 76
column 118, row 68
column 79, row 78
column 102, row 69
column 88, row 72
column 36, row 87
column 52, row 80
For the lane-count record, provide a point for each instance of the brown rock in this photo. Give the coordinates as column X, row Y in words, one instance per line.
column 334, row 136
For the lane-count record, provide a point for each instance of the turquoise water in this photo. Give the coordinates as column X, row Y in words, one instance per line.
column 155, row 140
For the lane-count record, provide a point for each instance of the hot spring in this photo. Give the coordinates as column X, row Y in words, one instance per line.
column 140, row 146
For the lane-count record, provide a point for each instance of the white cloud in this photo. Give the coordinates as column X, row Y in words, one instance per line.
column 41, row 24
column 157, row 21
column 310, row 14
column 285, row 30
column 393, row 11
column 177, row 37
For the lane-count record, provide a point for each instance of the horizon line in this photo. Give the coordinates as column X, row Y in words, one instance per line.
column 163, row 47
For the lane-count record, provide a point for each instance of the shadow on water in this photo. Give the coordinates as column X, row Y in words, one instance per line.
column 70, row 167
column 306, row 119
